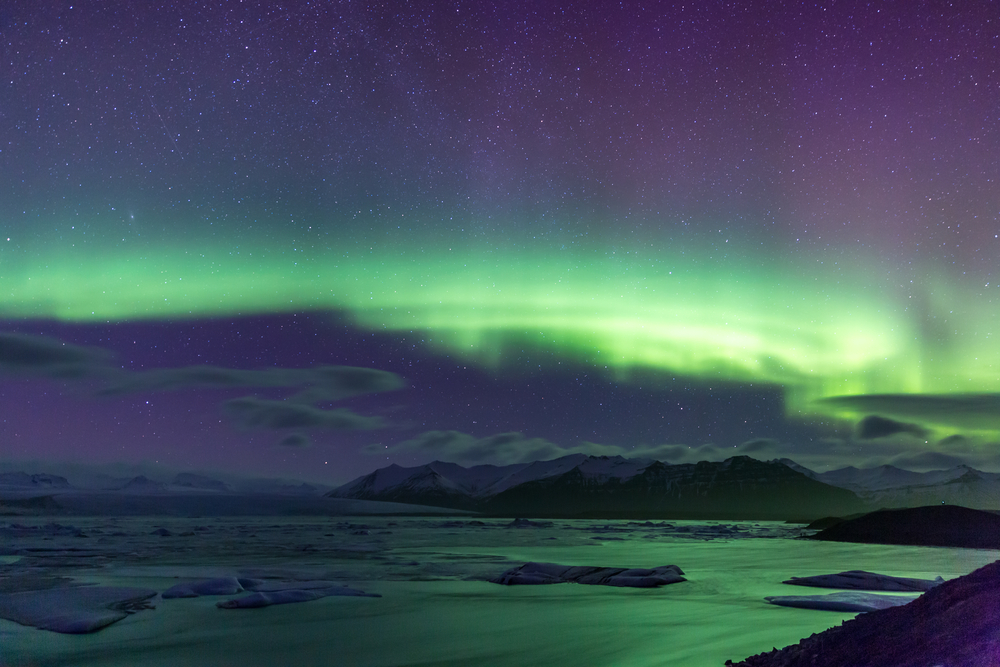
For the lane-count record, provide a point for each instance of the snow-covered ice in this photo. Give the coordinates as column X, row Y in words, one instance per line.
column 552, row 573
column 433, row 574
column 290, row 595
column 866, row 581
column 75, row 610
column 846, row 601
column 194, row 589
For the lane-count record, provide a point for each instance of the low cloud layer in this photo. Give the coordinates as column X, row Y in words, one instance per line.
column 252, row 412
column 508, row 448
column 458, row 447
column 23, row 355
column 819, row 454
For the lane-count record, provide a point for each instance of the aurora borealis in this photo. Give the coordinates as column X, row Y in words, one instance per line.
column 701, row 318
column 781, row 221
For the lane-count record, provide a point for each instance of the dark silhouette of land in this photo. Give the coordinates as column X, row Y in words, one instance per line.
column 955, row 624
column 932, row 526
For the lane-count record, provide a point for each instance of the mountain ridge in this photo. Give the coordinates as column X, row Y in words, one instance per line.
column 593, row 486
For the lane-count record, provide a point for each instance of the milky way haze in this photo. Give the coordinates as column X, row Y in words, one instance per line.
column 678, row 232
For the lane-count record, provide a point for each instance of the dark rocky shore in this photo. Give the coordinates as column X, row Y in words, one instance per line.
column 932, row 526
column 955, row 624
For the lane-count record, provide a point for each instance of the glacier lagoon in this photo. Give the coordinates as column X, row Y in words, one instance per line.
column 437, row 607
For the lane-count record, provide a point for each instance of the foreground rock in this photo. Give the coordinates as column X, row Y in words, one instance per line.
column 860, row 580
column 860, row 602
column 932, row 526
column 955, row 624
column 552, row 573
column 76, row 610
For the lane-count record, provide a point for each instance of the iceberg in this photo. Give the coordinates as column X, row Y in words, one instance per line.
column 287, row 596
column 552, row 573
column 77, row 610
column 866, row 581
column 194, row 589
column 847, row 601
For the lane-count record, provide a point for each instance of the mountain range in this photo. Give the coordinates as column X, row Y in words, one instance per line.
column 185, row 494
column 890, row 487
column 602, row 486
column 21, row 483
column 739, row 487
column 571, row 486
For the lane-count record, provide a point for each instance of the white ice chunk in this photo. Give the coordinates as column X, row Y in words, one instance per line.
column 194, row 589
column 72, row 610
column 847, row 601
column 265, row 599
column 271, row 585
column 866, row 581
column 552, row 573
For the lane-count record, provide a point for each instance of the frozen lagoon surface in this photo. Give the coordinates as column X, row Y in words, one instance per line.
column 437, row 607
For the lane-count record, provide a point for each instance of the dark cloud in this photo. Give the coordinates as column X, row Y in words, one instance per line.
column 252, row 412
column 873, row 427
column 325, row 383
column 507, row 448
column 295, row 440
column 972, row 411
column 41, row 356
column 956, row 442
column 334, row 383
column 169, row 379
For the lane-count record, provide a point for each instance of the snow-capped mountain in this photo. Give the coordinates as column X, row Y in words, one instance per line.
column 36, row 481
column 449, row 484
column 891, row 487
column 193, row 481
column 581, row 485
column 888, row 477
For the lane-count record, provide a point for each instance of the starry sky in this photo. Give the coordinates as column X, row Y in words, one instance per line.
column 309, row 239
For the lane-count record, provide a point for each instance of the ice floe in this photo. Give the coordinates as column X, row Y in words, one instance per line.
column 846, row 601
column 73, row 610
column 264, row 592
column 286, row 596
column 194, row 589
column 553, row 573
column 866, row 581
column 528, row 523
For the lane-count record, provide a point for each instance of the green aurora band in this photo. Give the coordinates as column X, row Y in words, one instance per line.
column 816, row 332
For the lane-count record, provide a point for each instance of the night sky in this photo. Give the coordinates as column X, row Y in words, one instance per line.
column 680, row 232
